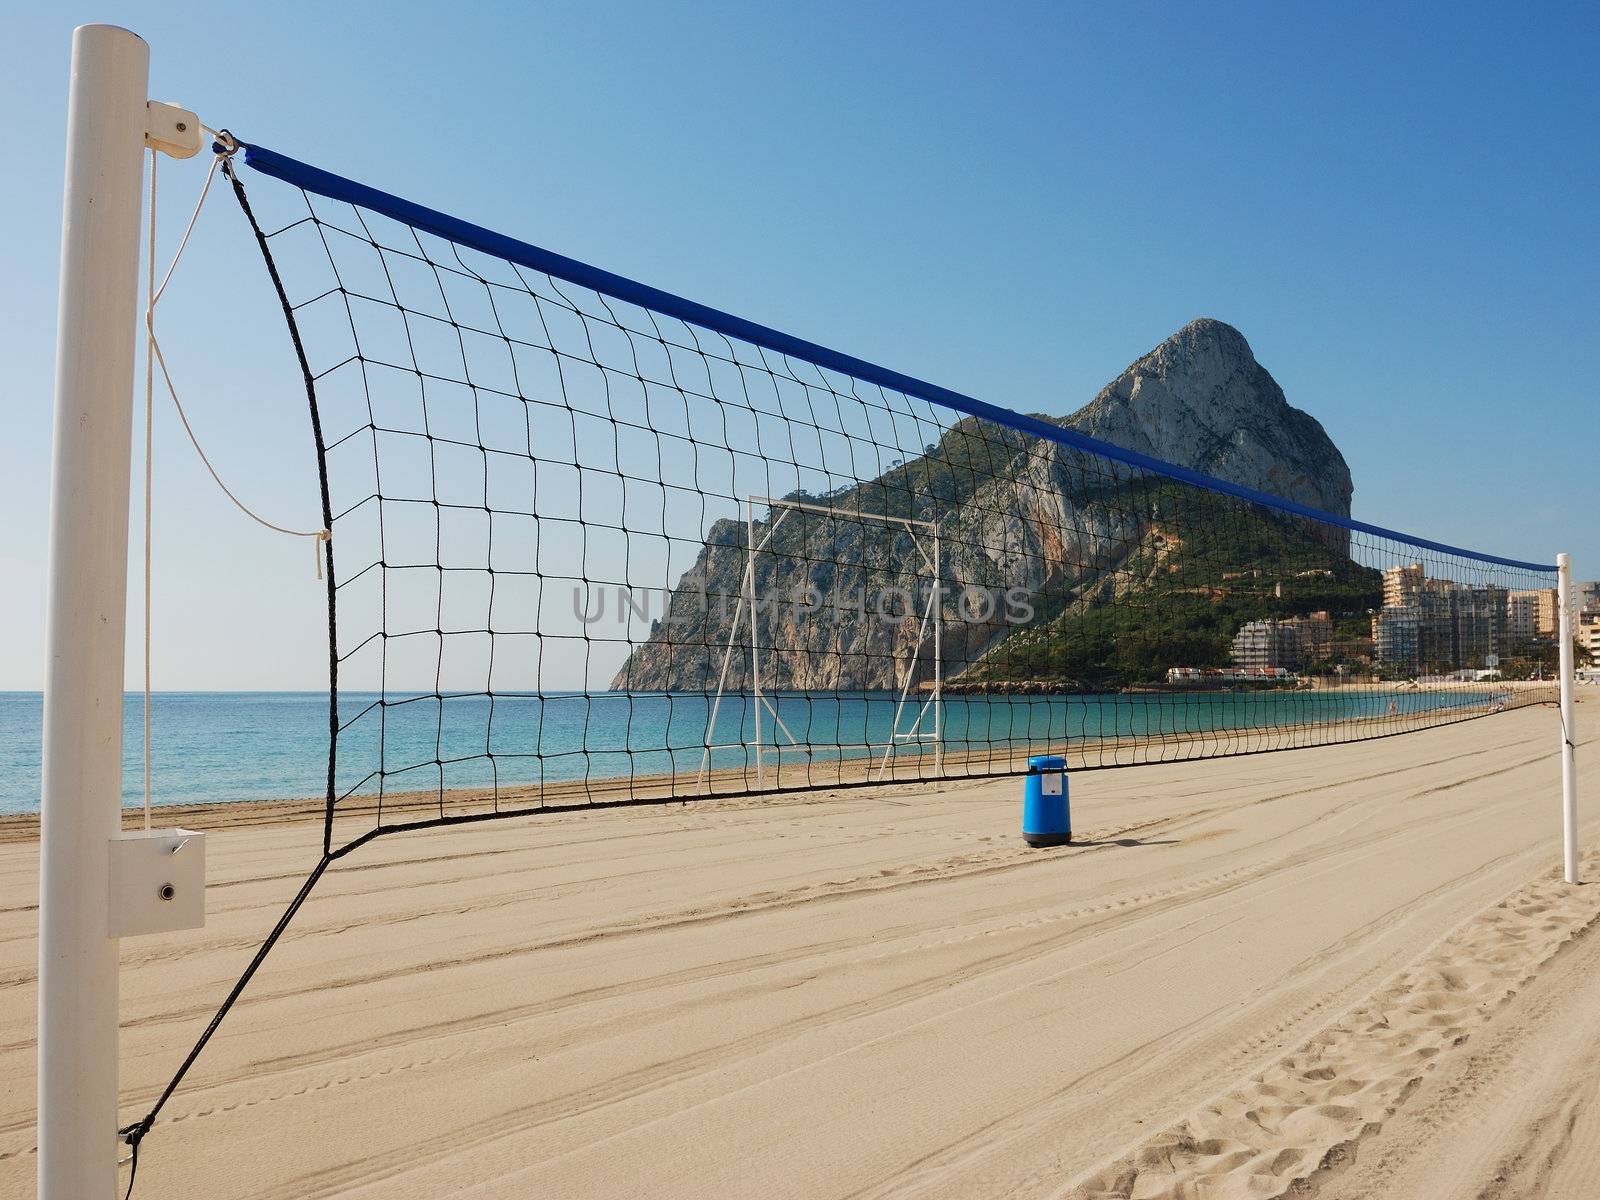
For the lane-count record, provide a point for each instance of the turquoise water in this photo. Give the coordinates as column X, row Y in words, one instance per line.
column 213, row 746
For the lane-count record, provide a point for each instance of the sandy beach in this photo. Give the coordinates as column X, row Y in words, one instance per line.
column 1351, row 971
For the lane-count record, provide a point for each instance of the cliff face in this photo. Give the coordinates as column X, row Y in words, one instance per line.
column 1036, row 526
column 1200, row 399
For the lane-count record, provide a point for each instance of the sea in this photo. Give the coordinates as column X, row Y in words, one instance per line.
column 215, row 747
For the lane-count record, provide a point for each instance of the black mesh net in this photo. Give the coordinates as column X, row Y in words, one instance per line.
column 589, row 552
column 585, row 552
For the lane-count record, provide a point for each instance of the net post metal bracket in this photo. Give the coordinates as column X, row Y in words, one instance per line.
column 172, row 130
column 157, row 882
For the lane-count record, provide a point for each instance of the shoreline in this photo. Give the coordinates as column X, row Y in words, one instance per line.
column 787, row 775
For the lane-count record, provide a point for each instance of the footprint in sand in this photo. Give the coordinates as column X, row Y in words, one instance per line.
column 1261, row 1138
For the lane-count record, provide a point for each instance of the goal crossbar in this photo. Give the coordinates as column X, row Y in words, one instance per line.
column 929, row 633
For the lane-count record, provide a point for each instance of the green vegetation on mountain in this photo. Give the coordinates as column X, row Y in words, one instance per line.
column 1207, row 565
column 945, row 476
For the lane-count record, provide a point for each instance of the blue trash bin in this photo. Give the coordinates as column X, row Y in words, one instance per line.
column 1046, row 814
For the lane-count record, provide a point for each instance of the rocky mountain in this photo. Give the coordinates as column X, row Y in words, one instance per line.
column 1038, row 532
column 1200, row 399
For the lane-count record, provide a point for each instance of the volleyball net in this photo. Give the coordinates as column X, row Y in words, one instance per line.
column 587, row 543
column 595, row 543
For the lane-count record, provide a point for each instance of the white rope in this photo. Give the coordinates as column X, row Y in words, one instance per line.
column 149, row 471
column 154, row 359
column 321, row 535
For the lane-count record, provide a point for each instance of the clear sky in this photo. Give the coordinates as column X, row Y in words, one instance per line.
column 1397, row 208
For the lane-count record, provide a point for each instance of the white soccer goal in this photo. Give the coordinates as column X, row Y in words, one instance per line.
column 926, row 729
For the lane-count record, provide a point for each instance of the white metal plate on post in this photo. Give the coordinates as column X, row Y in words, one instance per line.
column 158, row 882
column 172, row 130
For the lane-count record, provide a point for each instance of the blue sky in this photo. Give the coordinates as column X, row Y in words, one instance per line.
column 1396, row 208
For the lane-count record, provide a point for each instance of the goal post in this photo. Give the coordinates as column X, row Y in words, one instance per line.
column 924, row 538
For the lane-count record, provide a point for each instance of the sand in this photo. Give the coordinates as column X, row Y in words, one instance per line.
column 1343, row 972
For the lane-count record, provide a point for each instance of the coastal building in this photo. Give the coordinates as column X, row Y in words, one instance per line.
column 1401, row 585
column 1522, row 615
column 1267, row 643
column 1589, row 635
column 1440, row 625
column 1288, row 644
column 1478, row 624
column 1314, row 632
column 1397, row 637
column 1214, row 676
column 1543, row 607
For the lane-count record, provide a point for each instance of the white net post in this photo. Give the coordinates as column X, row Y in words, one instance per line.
column 81, row 798
column 1569, row 777
column 938, row 659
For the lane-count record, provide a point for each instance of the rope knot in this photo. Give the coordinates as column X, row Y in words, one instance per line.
column 321, row 536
